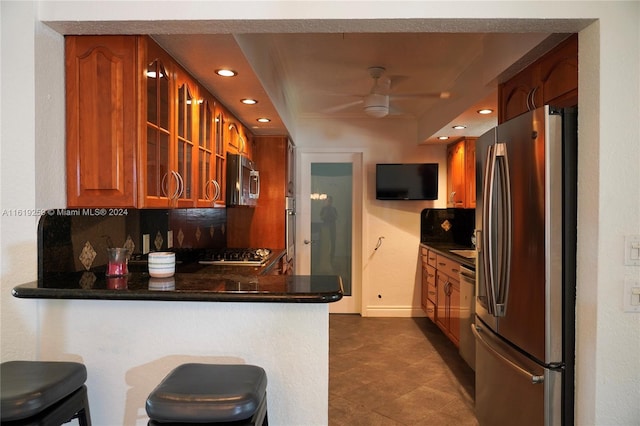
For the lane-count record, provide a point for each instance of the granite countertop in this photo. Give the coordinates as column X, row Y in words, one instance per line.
column 445, row 250
column 191, row 282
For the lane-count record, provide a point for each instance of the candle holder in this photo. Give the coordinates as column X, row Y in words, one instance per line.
column 117, row 264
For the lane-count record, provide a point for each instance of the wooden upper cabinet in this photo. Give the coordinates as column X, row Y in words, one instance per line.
column 470, row 172
column 461, row 175
column 264, row 225
column 559, row 74
column 101, row 85
column 186, row 136
column 455, row 174
column 551, row 80
column 156, row 172
column 141, row 131
column 515, row 96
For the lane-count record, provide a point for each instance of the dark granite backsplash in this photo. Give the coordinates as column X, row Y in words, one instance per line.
column 76, row 239
column 450, row 226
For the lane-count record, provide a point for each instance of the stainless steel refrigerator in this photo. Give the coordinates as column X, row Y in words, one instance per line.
column 525, row 278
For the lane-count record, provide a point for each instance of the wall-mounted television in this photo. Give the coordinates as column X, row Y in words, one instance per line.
column 415, row 181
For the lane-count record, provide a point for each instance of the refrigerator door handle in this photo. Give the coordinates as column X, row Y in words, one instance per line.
column 505, row 231
column 497, row 231
column 485, row 242
column 535, row 379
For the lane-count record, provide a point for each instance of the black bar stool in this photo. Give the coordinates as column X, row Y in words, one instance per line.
column 47, row 393
column 216, row 394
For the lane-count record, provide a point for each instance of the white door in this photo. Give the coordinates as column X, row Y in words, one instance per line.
column 329, row 221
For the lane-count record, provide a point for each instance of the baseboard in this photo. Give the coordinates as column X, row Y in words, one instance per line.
column 393, row 311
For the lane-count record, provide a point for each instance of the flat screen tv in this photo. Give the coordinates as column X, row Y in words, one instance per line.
column 407, row 181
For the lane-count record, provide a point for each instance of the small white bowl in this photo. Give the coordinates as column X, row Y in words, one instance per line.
column 162, row 264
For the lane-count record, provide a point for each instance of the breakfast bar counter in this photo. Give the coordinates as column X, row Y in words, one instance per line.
column 205, row 285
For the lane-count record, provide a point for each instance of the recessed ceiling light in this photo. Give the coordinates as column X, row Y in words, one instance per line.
column 263, row 120
column 485, row 111
column 226, row 73
column 249, row 101
column 443, row 138
column 459, row 127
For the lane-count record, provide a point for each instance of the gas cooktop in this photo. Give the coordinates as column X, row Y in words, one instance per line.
column 236, row 257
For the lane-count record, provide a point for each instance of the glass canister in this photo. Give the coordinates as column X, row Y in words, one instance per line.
column 117, row 264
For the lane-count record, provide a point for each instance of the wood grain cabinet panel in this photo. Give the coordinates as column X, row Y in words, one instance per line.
column 100, row 121
column 461, row 173
column 440, row 297
column 551, row 80
column 141, row 131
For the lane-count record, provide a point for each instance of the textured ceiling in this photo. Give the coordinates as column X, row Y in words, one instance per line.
column 300, row 69
column 314, row 75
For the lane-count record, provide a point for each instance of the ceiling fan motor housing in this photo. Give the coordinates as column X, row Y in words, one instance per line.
column 376, row 105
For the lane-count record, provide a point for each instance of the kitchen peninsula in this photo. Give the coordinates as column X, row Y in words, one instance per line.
column 131, row 333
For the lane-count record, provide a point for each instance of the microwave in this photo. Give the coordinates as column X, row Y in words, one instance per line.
column 243, row 181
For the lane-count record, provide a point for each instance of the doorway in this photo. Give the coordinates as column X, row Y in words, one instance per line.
column 329, row 212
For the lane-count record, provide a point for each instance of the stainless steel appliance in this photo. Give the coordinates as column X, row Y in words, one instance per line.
column 243, row 181
column 236, row 257
column 525, row 292
column 290, row 227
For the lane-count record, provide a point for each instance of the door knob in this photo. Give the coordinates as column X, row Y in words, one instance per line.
column 308, row 241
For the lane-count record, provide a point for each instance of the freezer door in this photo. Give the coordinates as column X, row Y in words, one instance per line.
column 512, row 389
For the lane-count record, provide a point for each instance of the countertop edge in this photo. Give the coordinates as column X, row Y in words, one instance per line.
column 32, row 291
column 446, row 252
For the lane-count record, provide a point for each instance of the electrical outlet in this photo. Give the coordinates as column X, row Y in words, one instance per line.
column 145, row 243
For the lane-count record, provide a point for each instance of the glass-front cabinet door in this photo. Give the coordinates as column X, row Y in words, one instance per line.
column 186, row 135
column 157, row 168
column 209, row 189
column 220, row 155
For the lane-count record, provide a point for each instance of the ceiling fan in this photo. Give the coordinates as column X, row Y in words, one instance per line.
column 376, row 102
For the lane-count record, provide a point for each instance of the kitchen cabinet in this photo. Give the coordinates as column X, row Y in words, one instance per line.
column 141, row 131
column 211, row 152
column 448, row 298
column 461, row 175
column 102, row 86
column 429, row 294
column 552, row 80
column 264, row 225
column 186, row 135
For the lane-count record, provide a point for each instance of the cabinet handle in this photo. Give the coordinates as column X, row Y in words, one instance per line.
column 218, row 190
column 179, row 186
column 216, row 194
column 531, row 102
column 206, row 191
column 164, row 189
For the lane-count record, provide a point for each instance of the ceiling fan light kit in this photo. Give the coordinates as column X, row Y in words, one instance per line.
column 376, row 105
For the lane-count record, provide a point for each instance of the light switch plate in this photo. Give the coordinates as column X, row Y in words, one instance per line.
column 631, row 295
column 632, row 250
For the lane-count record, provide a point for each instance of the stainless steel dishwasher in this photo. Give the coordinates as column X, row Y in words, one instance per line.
column 467, row 313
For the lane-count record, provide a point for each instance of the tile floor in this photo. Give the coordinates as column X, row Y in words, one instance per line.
column 396, row 371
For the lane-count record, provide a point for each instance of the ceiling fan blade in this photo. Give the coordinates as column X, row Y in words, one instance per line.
column 342, row 107
column 434, row 95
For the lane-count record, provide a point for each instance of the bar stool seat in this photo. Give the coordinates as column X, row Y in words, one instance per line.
column 43, row 393
column 216, row 394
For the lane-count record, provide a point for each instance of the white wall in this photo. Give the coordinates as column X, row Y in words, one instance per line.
column 391, row 274
column 608, row 340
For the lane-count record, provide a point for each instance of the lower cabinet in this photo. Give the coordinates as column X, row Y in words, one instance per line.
column 448, row 307
column 441, row 292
